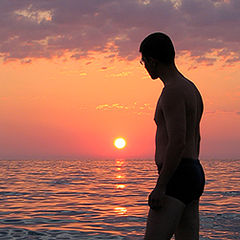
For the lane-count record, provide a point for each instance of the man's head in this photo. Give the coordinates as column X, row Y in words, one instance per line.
column 157, row 48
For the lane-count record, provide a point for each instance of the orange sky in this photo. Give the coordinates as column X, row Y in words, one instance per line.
column 75, row 108
column 71, row 81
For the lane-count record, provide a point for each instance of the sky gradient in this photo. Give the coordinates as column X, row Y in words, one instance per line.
column 71, row 81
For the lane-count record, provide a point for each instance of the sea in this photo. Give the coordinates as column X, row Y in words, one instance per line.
column 104, row 199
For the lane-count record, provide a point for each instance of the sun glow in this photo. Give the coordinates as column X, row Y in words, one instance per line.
column 120, row 143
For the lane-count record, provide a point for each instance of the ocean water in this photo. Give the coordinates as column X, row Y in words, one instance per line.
column 104, row 199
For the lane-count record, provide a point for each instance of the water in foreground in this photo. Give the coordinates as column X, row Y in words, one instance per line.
column 104, row 199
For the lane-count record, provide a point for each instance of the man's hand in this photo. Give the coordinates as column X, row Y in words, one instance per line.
column 156, row 197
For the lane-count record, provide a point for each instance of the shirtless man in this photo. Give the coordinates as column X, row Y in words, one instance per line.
column 174, row 202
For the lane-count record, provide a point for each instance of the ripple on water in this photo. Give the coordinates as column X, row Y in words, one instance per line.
column 104, row 199
column 25, row 234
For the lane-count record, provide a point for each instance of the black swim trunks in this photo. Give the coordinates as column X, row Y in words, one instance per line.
column 187, row 183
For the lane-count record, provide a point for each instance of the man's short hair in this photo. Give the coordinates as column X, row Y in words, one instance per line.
column 159, row 46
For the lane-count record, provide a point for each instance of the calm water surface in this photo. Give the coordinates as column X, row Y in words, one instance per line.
column 104, row 199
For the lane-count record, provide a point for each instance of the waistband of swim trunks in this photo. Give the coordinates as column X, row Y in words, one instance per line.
column 184, row 161
column 189, row 160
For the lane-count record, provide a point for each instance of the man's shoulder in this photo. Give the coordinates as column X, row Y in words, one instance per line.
column 172, row 93
column 180, row 89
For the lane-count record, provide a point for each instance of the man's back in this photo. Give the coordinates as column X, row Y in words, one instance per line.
column 184, row 90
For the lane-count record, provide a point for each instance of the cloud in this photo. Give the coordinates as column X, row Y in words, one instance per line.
column 111, row 107
column 222, row 112
column 121, row 74
column 143, row 109
column 26, row 61
column 43, row 29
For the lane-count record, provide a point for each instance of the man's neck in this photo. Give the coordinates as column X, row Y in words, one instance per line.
column 169, row 75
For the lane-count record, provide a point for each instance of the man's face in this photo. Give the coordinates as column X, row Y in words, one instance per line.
column 151, row 66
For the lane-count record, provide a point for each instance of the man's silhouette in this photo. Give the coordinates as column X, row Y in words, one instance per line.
column 174, row 202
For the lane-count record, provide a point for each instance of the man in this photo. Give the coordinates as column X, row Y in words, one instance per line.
column 174, row 202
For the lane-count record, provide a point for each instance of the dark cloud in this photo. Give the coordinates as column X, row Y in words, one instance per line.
column 46, row 28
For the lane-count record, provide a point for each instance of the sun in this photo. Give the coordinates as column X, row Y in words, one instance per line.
column 120, row 143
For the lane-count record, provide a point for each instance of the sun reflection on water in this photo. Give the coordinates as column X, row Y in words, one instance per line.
column 120, row 176
column 120, row 210
column 121, row 186
column 119, row 163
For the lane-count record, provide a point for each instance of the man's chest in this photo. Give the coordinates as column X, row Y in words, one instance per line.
column 158, row 116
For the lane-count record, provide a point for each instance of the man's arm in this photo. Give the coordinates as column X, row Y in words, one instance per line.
column 174, row 111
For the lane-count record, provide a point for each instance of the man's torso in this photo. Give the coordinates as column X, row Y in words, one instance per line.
column 193, row 112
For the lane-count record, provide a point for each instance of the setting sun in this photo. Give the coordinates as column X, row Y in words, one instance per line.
column 119, row 143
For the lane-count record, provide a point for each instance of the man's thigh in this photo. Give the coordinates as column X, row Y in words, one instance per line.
column 188, row 227
column 162, row 223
